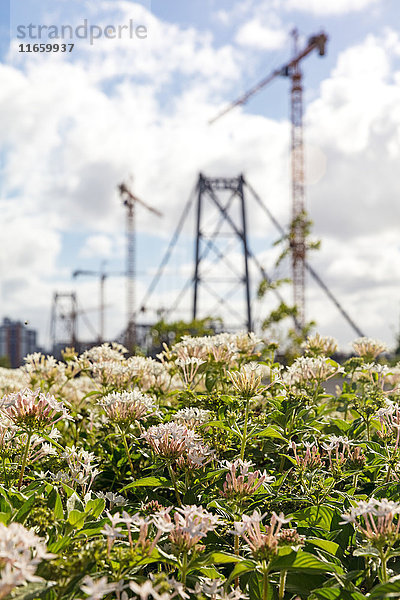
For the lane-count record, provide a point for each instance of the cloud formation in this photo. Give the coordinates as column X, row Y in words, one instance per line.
column 72, row 130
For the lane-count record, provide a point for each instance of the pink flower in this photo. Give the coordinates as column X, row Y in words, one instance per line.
column 33, row 410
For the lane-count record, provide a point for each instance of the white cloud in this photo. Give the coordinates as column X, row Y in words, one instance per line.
column 329, row 7
column 256, row 35
column 97, row 246
column 356, row 124
column 72, row 131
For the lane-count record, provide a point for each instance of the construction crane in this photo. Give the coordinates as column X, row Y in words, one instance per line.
column 129, row 200
column 298, row 223
column 102, row 275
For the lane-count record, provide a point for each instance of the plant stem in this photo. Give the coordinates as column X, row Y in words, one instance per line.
column 127, row 450
column 5, row 471
column 24, row 459
column 265, row 581
column 237, row 554
column 384, row 574
column 282, row 464
column 173, row 479
column 244, row 437
column 184, row 568
column 282, row 584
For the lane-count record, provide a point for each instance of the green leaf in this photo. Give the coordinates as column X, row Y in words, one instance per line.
column 147, row 482
column 218, row 558
column 31, row 591
column 369, row 551
column 60, row 544
column 336, row 594
column 269, row 432
column 95, row 507
column 93, row 528
column 328, row 546
column 342, row 425
column 210, row 572
column 24, row 510
column 76, row 518
column 304, row 562
column 244, row 566
column 316, row 516
column 390, row 589
column 55, row 503
column 52, row 442
column 68, row 490
column 256, row 588
column 217, row 424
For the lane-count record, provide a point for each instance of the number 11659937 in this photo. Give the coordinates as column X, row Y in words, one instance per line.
column 45, row 48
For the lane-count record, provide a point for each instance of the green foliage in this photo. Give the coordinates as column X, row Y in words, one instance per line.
column 167, row 333
column 5, row 362
column 167, row 501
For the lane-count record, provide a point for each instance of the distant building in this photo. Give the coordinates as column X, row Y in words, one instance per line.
column 16, row 341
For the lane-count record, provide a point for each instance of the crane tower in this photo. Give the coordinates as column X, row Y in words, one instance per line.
column 298, row 222
column 129, row 201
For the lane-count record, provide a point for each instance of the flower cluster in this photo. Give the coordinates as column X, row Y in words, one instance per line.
column 173, row 441
column 310, row 459
column 192, row 416
column 264, row 543
column 21, row 551
column 225, row 348
column 306, row 370
column 124, row 408
column 376, row 520
column 150, row 374
column 192, row 447
column 389, row 419
column 369, row 348
column 247, row 381
column 82, row 468
column 318, row 345
column 189, row 526
column 341, row 453
column 241, row 482
column 190, row 366
column 33, row 410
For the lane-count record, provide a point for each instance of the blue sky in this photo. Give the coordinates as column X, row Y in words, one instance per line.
column 74, row 125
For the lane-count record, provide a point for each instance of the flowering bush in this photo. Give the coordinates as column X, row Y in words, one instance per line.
column 211, row 472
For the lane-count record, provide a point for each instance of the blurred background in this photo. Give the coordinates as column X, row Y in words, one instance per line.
column 106, row 226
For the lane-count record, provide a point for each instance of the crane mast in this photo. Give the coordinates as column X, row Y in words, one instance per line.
column 298, row 222
column 129, row 200
column 130, row 274
column 297, row 232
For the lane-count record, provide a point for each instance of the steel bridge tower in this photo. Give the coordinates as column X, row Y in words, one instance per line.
column 63, row 326
column 221, row 215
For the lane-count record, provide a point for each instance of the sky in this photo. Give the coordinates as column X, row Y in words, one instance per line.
column 135, row 108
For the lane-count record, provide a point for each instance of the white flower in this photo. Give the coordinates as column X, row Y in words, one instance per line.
column 163, row 521
column 368, row 347
column 96, row 589
column 306, row 369
column 114, row 499
column 21, row 551
column 192, row 416
column 146, row 589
